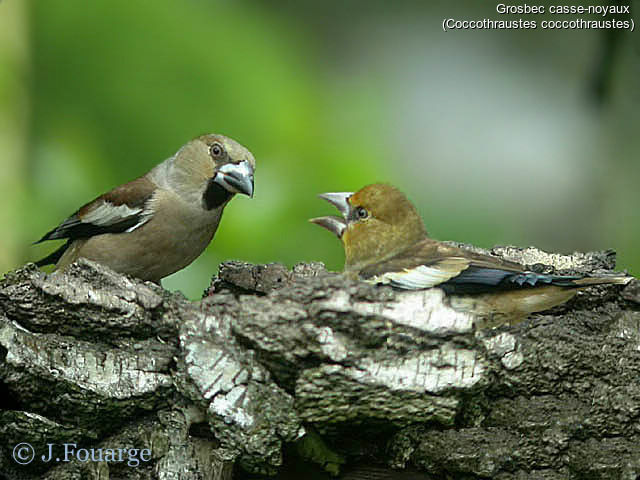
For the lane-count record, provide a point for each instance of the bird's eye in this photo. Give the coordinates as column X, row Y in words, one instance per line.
column 216, row 150
column 361, row 213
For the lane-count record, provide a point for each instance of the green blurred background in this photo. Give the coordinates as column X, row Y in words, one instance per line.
column 499, row 137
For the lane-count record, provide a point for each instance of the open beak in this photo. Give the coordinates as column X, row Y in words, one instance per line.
column 340, row 200
column 236, row 177
column 335, row 225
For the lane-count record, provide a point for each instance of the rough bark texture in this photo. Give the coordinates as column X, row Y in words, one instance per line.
column 303, row 372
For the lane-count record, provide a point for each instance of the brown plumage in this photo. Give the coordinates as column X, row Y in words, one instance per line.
column 159, row 223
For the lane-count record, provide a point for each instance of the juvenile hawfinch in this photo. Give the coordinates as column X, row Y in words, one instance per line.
column 385, row 242
column 160, row 222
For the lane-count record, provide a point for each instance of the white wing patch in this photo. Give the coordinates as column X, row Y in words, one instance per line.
column 107, row 214
column 144, row 218
column 423, row 276
column 415, row 278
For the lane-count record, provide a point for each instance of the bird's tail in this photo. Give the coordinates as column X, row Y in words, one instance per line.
column 514, row 304
column 531, row 279
column 53, row 258
column 604, row 280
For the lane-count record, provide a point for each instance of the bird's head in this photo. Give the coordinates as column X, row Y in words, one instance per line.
column 214, row 167
column 377, row 222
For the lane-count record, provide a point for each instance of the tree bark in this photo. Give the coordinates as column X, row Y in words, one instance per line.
column 275, row 372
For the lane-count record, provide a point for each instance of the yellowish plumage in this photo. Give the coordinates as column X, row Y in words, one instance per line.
column 385, row 241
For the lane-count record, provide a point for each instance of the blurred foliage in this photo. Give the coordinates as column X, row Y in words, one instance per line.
column 118, row 86
column 95, row 94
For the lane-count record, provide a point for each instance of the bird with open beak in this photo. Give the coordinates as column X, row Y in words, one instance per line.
column 160, row 222
column 385, row 242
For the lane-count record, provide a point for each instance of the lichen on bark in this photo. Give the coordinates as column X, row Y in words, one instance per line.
column 387, row 381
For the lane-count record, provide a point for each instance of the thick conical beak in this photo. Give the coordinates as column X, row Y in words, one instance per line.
column 236, row 177
column 338, row 200
column 335, row 225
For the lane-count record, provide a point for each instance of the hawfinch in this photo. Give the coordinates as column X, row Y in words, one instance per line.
column 160, row 222
column 385, row 242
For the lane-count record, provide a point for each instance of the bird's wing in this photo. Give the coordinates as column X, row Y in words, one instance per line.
column 429, row 263
column 123, row 209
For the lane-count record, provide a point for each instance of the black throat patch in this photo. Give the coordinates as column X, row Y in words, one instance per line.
column 215, row 195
